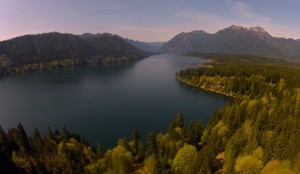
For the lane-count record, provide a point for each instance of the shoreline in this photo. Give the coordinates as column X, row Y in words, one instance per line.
column 61, row 63
column 206, row 89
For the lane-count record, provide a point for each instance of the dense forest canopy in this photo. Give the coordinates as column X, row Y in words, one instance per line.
column 256, row 132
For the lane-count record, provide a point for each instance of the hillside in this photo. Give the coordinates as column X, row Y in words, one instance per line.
column 44, row 48
column 234, row 39
column 146, row 46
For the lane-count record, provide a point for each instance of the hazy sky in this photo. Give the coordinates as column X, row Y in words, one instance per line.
column 146, row 20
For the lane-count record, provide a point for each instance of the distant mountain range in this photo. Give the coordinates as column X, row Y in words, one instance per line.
column 55, row 46
column 234, row 39
column 145, row 46
column 42, row 48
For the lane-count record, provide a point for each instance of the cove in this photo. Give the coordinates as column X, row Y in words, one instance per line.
column 106, row 102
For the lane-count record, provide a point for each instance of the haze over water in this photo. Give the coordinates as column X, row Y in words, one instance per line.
column 105, row 102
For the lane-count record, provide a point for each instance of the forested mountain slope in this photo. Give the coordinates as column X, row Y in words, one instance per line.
column 50, row 49
column 146, row 46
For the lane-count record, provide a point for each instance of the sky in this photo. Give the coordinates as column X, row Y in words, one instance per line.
column 146, row 20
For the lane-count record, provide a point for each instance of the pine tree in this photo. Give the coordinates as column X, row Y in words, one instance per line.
column 136, row 139
column 177, row 128
column 152, row 148
column 194, row 132
column 4, row 142
column 21, row 138
column 66, row 134
column 37, row 141
column 49, row 134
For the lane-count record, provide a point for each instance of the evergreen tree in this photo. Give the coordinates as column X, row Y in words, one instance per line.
column 152, row 148
column 4, row 142
column 177, row 128
column 194, row 133
column 21, row 138
column 49, row 134
column 65, row 133
column 138, row 148
column 136, row 138
column 38, row 142
column 124, row 143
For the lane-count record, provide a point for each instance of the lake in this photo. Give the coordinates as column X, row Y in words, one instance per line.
column 106, row 102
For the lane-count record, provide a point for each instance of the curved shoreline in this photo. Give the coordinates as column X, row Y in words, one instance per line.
column 206, row 89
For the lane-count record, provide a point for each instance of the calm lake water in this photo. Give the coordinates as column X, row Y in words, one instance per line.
column 105, row 102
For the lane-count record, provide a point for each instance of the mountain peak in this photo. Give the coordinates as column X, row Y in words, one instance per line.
column 236, row 27
column 254, row 29
column 198, row 31
column 194, row 32
column 260, row 32
column 258, row 29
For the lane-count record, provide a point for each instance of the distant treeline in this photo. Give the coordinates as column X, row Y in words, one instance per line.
column 59, row 63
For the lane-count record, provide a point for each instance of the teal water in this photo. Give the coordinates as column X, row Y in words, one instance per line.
column 105, row 102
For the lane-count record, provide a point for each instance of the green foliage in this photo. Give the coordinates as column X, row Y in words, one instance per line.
column 152, row 148
column 122, row 159
column 278, row 167
column 137, row 146
column 184, row 159
column 248, row 165
column 263, row 111
column 221, row 129
column 51, row 154
column 21, row 138
column 194, row 133
column 37, row 142
column 177, row 127
column 151, row 164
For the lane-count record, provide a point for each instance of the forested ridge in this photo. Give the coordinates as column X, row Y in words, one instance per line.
column 53, row 50
column 257, row 131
